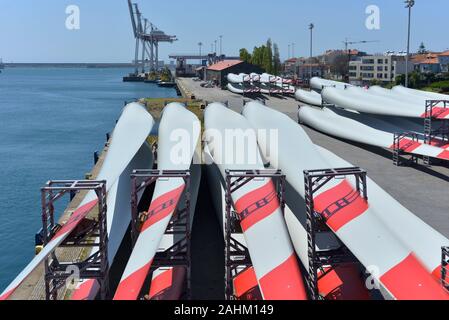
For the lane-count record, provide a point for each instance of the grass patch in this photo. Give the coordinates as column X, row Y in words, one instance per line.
column 155, row 106
column 431, row 89
column 439, row 86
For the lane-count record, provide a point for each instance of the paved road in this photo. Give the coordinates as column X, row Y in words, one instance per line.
column 287, row 105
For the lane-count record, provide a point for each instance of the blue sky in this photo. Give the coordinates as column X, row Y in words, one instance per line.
column 34, row 30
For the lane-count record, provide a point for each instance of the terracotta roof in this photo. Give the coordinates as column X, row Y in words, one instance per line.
column 222, row 65
column 428, row 58
column 445, row 53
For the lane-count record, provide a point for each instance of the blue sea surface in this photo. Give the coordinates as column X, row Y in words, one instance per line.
column 52, row 120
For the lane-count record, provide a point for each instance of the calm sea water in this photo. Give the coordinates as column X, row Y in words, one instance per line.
column 51, row 122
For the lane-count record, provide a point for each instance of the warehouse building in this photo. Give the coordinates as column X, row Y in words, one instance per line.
column 218, row 72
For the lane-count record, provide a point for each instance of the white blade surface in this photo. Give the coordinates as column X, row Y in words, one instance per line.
column 266, row 235
column 425, row 241
column 129, row 134
column 308, row 97
column 424, row 94
column 160, row 288
column 357, row 224
column 178, row 136
column 118, row 217
column 364, row 129
column 367, row 101
column 318, row 84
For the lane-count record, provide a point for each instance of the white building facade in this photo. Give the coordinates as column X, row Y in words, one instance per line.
column 381, row 67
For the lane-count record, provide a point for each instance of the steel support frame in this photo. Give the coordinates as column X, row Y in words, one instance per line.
column 143, row 50
column 256, row 84
column 398, row 152
column 95, row 266
column 430, row 133
column 445, row 267
column 285, row 86
column 237, row 258
column 272, row 83
column 324, row 103
column 179, row 255
column 315, row 180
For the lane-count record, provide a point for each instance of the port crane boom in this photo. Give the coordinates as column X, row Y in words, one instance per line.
column 150, row 41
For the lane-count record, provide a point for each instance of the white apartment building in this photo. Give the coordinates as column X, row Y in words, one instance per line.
column 380, row 67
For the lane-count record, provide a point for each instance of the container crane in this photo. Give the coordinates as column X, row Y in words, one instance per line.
column 150, row 40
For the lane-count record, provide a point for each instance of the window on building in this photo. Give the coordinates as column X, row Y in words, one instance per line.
column 380, row 68
column 368, row 61
column 379, row 61
column 367, row 68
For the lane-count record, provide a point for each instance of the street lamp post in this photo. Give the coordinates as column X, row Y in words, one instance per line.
column 215, row 46
column 289, row 56
column 311, row 26
column 293, row 50
column 409, row 6
column 221, row 45
column 200, row 44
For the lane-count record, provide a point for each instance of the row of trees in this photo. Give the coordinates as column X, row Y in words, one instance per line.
column 266, row 56
column 420, row 80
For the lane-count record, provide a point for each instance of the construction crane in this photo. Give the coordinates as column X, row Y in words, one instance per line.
column 347, row 43
column 348, row 50
column 150, row 40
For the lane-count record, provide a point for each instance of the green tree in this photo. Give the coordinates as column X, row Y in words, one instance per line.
column 264, row 57
column 415, row 80
column 400, row 79
column 276, row 60
column 268, row 57
column 245, row 55
column 258, row 57
column 376, row 82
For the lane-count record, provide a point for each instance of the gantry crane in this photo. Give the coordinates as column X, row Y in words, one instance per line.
column 150, row 40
